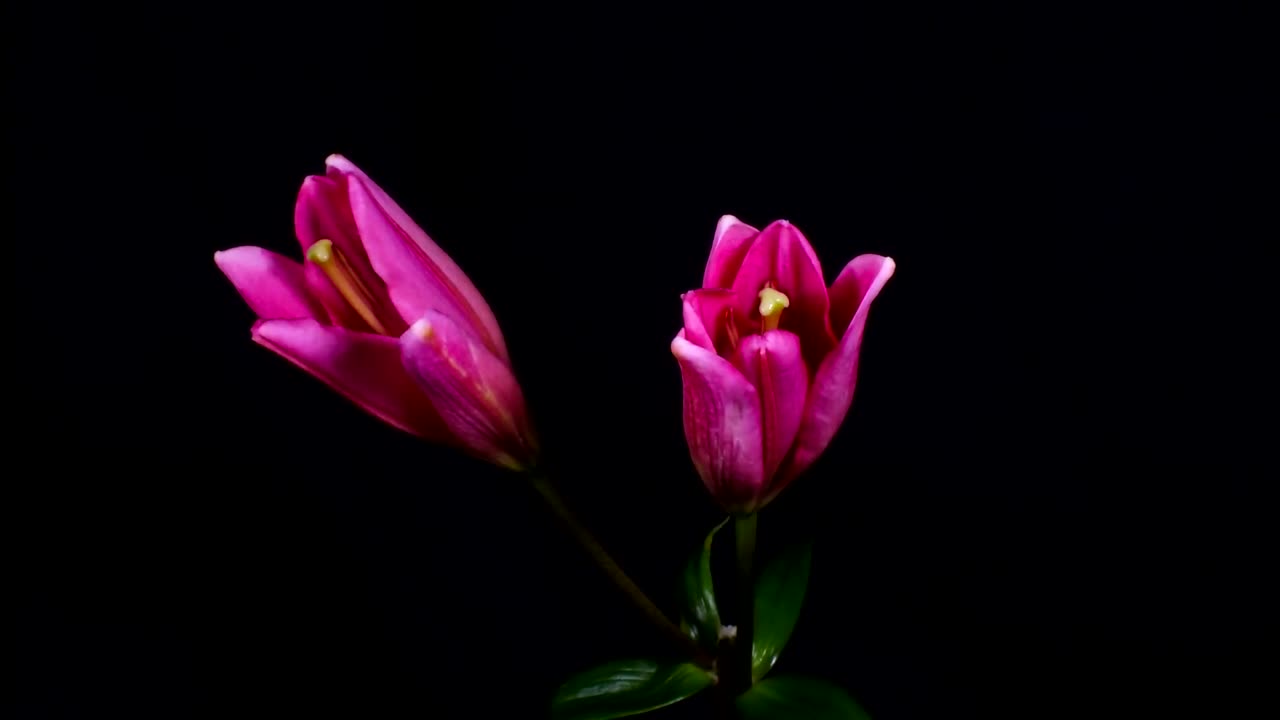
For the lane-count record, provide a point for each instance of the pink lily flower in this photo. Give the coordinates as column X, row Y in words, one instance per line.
column 383, row 316
column 769, row 358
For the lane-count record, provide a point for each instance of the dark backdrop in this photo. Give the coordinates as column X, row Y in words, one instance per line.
column 1040, row 505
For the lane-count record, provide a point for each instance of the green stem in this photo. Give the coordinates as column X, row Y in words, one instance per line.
column 613, row 570
column 744, row 534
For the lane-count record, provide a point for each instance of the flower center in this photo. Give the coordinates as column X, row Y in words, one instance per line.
column 772, row 303
column 345, row 280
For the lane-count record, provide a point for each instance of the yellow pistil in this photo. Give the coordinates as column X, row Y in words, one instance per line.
column 771, row 304
column 339, row 271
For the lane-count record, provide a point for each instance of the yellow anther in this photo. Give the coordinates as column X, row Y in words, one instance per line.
column 330, row 260
column 771, row 304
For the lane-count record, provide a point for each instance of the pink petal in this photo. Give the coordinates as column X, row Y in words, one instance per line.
column 418, row 274
column 854, row 289
column 832, row 391
column 363, row 368
column 475, row 392
column 270, row 283
column 323, row 212
column 773, row 363
column 728, row 248
column 783, row 256
column 704, row 318
column 721, row 425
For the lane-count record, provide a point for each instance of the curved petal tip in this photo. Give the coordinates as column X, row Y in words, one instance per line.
column 271, row 284
column 337, row 161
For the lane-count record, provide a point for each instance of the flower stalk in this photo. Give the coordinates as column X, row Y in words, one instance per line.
column 542, row 484
column 744, row 535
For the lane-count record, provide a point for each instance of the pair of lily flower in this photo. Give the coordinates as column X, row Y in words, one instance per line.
column 380, row 313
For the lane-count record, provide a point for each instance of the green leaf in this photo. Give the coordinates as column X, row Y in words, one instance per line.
column 701, row 617
column 780, row 591
column 627, row 687
column 788, row 697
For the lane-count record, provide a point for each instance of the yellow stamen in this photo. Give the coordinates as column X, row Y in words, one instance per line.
column 339, row 271
column 771, row 304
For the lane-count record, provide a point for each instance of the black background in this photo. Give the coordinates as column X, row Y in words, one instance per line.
column 1043, row 503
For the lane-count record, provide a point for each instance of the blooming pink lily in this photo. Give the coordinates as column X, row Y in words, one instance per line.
column 769, row 357
column 382, row 315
